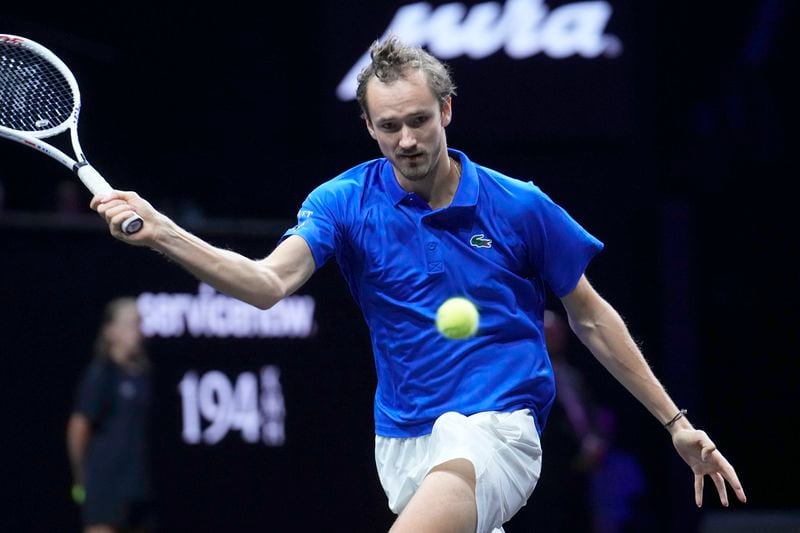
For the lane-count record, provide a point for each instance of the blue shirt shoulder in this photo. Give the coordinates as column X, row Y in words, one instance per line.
column 332, row 206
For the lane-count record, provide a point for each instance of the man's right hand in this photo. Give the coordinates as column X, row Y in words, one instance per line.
column 118, row 206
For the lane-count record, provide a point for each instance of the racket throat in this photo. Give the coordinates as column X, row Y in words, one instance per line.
column 78, row 165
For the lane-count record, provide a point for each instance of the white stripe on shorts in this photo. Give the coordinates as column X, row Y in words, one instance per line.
column 504, row 449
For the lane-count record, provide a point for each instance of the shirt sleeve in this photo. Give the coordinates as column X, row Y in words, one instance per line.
column 560, row 248
column 317, row 225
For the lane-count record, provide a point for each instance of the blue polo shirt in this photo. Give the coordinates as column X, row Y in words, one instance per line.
column 502, row 243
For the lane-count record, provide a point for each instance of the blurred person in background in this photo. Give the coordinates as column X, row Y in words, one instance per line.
column 108, row 430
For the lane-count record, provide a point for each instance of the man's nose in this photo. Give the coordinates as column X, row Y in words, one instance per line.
column 407, row 137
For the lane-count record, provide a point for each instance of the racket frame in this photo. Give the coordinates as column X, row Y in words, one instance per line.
column 90, row 177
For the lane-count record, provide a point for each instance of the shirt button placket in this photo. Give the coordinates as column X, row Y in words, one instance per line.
column 433, row 254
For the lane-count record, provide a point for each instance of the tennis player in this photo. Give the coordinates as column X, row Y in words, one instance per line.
column 457, row 423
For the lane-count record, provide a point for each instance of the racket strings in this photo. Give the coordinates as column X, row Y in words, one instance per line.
column 34, row 94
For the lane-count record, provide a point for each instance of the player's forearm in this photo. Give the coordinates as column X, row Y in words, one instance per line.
column 251, row 281
column 76, row 465
column 609, row 340
column 78, row 435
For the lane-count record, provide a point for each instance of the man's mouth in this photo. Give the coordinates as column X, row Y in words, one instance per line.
column 411, row 157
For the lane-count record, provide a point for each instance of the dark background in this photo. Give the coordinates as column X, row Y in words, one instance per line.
column 674, row 153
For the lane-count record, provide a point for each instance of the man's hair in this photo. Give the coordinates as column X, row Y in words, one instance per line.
column 390, row 61
column 102, row 344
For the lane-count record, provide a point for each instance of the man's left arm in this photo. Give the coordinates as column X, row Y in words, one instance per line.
column 602, row 330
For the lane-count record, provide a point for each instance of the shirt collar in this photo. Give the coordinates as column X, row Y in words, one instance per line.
column 466, row 194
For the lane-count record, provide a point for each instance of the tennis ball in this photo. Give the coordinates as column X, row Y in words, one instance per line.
column 78, row 494
column 457, row 318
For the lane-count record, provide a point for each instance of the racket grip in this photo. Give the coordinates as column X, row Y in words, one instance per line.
column 98, row 185
column 93, row 180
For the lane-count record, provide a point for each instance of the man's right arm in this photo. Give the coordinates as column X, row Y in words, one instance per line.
column 79, row 431
column 261, row 283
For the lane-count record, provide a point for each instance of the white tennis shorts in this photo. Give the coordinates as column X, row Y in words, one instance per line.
column 504, row 448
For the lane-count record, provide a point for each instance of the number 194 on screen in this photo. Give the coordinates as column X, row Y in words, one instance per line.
column 251, row 404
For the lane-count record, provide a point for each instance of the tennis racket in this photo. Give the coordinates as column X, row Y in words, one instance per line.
column 39, row 98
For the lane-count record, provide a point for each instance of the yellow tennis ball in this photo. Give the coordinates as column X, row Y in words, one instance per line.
column 457, row 318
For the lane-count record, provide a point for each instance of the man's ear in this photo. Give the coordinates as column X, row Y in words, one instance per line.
column 447, row 112
column 370, row 128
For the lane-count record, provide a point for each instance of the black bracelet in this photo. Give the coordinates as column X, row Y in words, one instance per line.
column 675, row 418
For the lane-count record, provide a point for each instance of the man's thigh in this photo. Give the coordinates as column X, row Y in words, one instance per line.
column 444, row 502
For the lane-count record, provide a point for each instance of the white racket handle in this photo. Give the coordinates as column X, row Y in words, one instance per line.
column 98, row 185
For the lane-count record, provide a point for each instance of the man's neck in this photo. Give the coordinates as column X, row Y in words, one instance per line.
column 441, row 189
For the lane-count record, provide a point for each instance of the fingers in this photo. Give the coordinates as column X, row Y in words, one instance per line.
column 109, row 203
column 739, row 491
column 100, row 199
column 115, row 208
column 118, row 222
column 719, row 481
column 702, row 455
column 111, row 208
column 699, row 483
column 720, row 471
column 729, row 474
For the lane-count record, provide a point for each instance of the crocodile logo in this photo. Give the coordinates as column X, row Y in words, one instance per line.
column 480, row 241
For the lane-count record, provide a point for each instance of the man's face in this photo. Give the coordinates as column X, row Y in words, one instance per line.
column 406, row 120
column 124, row 333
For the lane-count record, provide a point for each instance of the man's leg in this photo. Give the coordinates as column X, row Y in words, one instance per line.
column 444, row 502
